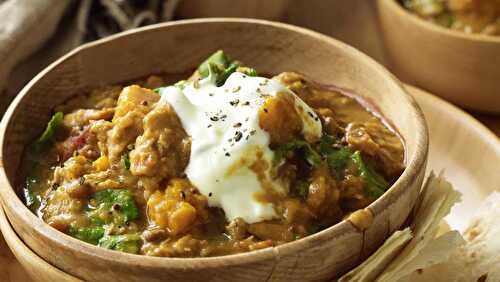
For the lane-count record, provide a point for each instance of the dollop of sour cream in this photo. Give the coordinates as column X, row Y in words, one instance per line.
column 223, row 123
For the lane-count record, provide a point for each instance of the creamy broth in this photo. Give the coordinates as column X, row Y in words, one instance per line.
column 208, row 167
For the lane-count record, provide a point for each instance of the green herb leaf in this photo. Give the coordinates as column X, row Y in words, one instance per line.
column 157, row 90
column 336, row 157
column 219, row 65
column 375, row 183
column 120, row 202
column 88, row 234
column 128, row 243
column 311, row 156
column 181, row 84
column 29, row 197
column 217, row 59
column 126, row 160
column 252, row 72
column 301, row 189
column 222, row 77
column 48, row 135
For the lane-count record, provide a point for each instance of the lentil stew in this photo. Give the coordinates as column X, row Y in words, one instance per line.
column 114, row 167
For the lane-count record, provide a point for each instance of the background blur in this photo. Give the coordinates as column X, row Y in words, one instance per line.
column 34, row 33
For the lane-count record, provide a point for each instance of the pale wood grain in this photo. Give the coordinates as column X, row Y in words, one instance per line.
column 260, row 9
column 10, row 268
column 178, row 47
column 465, row 149
column 27, row 263
column 353, row 22
column 459, row 67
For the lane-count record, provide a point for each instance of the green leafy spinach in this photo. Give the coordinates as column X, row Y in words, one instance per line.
column 128, row 243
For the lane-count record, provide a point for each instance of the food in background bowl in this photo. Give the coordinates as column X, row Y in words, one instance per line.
column 470, row 16
column 224, row 162
column 460, row 67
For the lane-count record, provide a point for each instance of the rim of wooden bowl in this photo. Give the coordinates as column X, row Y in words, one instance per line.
column 415, row 163
column 400, row 11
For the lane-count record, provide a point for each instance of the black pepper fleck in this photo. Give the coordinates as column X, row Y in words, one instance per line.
column 210, row 194
column 265, row 110
column 238, row 124
column 227, row 154
column 234, row 103
column 214, row 118
column 238, row 136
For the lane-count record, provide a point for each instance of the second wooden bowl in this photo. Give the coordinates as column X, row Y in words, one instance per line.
column 177, row 47
column 462, row 68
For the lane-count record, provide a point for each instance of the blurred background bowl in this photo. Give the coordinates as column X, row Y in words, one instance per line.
column 462, row 68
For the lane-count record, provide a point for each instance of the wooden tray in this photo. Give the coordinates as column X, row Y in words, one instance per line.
column 461, row 145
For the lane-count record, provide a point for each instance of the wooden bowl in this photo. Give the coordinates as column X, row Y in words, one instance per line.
column 37, row 268
column 178, row 47
column 462, row 68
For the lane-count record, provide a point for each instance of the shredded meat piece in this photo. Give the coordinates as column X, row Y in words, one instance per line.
column 81, row 118
column 128, row 119
column 67, row 148
column 352, row 195
column 154, row 234
column 100, row 129
column 73, row 168
column 323, row 195
column 377, row 141
column 185, row 246
column 61, row 210
column 163, row 149
column 125, row 130
column 271, row 231
column 237, row 229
